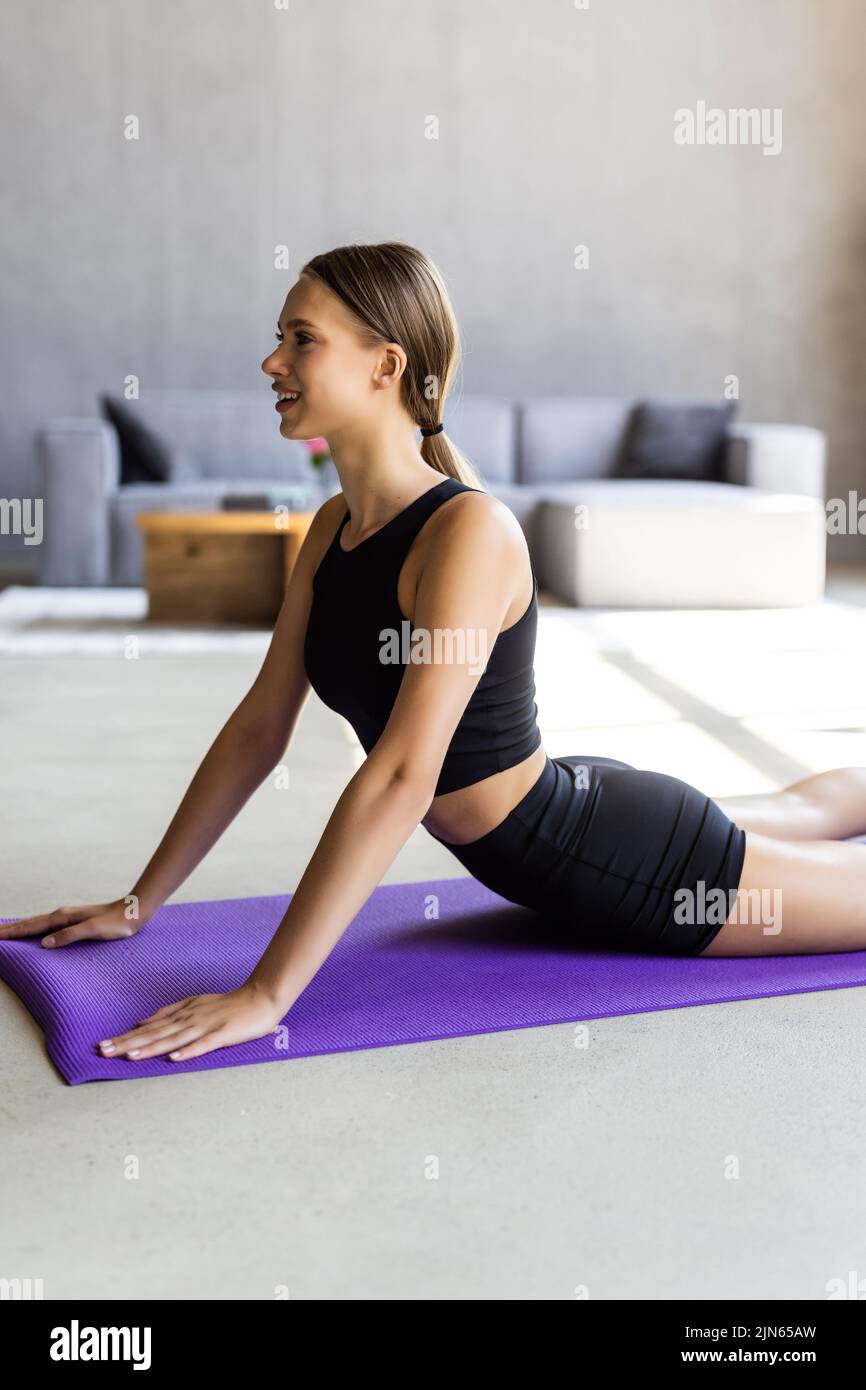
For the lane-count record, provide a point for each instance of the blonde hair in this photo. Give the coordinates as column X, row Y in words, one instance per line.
column 399, row 296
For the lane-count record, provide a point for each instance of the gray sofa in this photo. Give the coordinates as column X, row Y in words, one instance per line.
column 757, row 539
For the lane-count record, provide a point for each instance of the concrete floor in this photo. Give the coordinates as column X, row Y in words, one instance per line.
column 605, row 1167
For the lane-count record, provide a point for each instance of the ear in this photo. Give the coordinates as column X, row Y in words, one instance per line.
column 390, row 366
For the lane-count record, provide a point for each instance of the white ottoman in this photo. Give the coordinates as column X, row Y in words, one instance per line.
column 628, row 543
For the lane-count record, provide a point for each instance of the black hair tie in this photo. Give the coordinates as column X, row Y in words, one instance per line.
column 435, row 430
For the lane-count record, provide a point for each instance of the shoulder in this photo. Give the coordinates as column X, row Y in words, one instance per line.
column 479, row 523
column 319, row 535
column 332, row 509
column 326, row 519
column 473, row 568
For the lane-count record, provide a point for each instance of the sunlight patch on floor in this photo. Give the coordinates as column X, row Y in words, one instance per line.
column 679, row 748
column 593, row 693
column 646, row 632
column 774, row 681
column 819, row 749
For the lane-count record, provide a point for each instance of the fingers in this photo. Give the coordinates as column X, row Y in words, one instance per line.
column 176, row 1041
column 46, row 921
column 209, row 1043
column 91, row 929
column 200, row 1024
column 156, row 1026
column 144, row 1042
column 33, row 926
column 84, row 932
column 195, row 1023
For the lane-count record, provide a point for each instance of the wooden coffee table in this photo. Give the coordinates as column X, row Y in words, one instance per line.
column 227, row 566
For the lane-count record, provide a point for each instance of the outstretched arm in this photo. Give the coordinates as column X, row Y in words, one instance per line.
column 383, row 802
column 246, row 749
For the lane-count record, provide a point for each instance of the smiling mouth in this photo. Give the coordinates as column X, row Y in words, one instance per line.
column 286, row 399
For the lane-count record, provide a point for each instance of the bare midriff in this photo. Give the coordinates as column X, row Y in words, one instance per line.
column 465, row 815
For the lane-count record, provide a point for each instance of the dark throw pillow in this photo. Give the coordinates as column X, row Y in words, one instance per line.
column 144, row 457
column 675, row 440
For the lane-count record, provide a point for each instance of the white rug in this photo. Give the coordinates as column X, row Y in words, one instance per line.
column 38, row 621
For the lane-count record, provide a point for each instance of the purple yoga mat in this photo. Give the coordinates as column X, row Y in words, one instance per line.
column 399, row 974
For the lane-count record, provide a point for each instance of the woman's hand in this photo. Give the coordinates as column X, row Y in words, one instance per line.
column 198, row 1025
column 98, row 922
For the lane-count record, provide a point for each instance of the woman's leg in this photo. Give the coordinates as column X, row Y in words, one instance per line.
column 796, row 899
column 826, row 806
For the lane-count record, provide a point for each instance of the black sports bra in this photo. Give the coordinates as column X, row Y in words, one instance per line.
column 355, row 597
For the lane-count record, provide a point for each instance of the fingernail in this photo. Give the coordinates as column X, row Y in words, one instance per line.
column 133, row 1054
column 48, row 941
column 107, row 1046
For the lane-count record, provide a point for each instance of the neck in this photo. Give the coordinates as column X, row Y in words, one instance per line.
column 381, row 470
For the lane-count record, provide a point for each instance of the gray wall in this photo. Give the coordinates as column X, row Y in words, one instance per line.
column 261, row 126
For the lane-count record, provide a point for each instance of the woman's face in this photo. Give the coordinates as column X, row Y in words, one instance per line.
column 319, row 356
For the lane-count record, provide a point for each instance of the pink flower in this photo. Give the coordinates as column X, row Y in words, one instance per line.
column 318, row 451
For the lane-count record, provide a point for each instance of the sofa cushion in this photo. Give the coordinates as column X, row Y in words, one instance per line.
column 233, row 435
column 145, row 456
column 484, row 428
column 640, row 544
column 562, row 437
column 677, row 439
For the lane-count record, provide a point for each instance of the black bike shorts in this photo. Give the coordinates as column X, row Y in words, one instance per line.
column 608, row 849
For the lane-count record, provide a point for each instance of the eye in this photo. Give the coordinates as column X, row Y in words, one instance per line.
column 298, row 336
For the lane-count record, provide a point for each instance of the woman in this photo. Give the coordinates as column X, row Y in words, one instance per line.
column 413, row 547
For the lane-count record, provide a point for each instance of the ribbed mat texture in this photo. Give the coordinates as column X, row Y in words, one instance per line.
column 421, row 961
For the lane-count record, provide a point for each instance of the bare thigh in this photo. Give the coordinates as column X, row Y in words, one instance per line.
column 796, row 897
column 824, row 806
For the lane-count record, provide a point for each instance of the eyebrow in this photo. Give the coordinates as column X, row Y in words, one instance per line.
column 295, row 323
